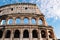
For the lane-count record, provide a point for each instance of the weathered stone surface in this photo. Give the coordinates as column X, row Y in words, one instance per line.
column 33, row 31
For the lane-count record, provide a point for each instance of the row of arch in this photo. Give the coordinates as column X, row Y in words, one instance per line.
column 19, row 21
column 25, row 34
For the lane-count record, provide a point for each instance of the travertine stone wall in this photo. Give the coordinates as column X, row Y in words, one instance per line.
column 22, row 16
column 21, row 11
column 27, row 8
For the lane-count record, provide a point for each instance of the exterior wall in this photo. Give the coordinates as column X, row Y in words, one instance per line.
column 22, row 16
column 12, row 28
column 19, row 11
column 30, row 29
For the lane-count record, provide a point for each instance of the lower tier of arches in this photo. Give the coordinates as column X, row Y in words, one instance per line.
column 26, row 34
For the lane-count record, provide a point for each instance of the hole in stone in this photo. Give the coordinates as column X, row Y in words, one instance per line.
column 11, row 9
column 26, row 8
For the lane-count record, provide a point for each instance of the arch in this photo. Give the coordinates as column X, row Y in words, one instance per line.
column 25, row 34
column 34, row 34
column 18, row 21
column 43, row 34
column 11, row 9
column 26, row 20
column 8, row 34
column 1, row 33
column 3, row 22
column 16, row 34
column 33, row 21
column 50, row 34
column 10, row 21
column 40, row 22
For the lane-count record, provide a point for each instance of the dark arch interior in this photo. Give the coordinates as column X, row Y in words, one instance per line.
column 26, row 34
column 1, row 33
column 11, row 9
column 16, row 34
column 50, row 34
column 43, row 34
column 8, row 33
column 35, row 34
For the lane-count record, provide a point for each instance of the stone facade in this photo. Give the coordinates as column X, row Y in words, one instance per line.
column 11, row 30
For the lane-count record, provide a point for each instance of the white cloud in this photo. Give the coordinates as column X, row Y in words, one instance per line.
column 50, row 8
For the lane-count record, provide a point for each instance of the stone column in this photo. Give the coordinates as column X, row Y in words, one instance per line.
column 14, row 21
column 47, row 35
column 44, row 22
column 30, row 34
column 6, row 21
column 3, row 37
column 29, row 20
column 21, row 34
column 37, row 20
column 39, row 35
column 12, row 34
column 22, row 20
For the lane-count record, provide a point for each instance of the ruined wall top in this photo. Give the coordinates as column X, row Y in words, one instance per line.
column 19, row 8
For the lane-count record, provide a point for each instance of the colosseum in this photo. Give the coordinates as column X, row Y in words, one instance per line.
column 24, row 21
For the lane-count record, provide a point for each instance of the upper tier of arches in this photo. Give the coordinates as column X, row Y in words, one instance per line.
column 22, row 19
column 19, row 21
column 19, row 8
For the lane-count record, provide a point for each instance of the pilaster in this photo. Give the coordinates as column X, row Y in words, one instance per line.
column 4, row 34
column 21, row 35
column 12, row 34
column 29, row 20
column 37, row 21
column 14, row 21
column 39, row 35
column 30, row 35
column 22, row 20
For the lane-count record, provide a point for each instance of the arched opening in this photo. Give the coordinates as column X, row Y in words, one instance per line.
column 34, row 34
column 18, row 21
column 16, row 34
column 50, row 34
column 33, row 21
column 3, row 22
column 43, row 34
column 10, row 21
column 40, row 22
column 26, row 20
column 1, row 33
column 11, row 9
column 8, row 34
column 25, row 34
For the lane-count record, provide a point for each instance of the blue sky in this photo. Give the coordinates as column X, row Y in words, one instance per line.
column 50, row 8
